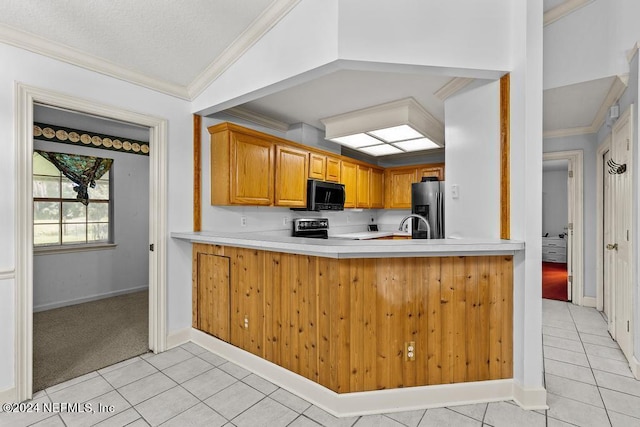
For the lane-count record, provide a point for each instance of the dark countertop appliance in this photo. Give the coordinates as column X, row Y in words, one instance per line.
column 427, row 200
column 322, row 195
column 317, row 228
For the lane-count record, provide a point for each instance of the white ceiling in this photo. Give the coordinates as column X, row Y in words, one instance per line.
column 575, row 105
column 179, row 47
column 346, row 90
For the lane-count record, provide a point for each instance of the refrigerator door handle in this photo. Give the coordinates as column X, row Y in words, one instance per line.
column 440, row 215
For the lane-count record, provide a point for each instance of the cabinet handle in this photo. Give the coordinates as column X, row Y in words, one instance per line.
column 612, row 247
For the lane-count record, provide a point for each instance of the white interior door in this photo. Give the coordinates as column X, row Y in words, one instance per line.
column 570, row 215
column 622, row 232
column 608, row 239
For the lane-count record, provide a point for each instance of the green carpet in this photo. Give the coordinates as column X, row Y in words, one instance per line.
column 78, row 339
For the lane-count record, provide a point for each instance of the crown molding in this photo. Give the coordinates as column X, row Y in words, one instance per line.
column 559, row 133
column 453, row 86
column 566, row 8
column 633, row 51
column 258, row 28
column 257, row 118
column 616, row 90
column 60, row 52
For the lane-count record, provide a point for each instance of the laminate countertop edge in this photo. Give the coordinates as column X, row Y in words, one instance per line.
column 342, row 248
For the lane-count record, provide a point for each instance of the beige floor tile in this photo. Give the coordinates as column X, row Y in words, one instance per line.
column 568, row 370
column 574, row 412
column 621, row 402
column 615, row 382
column 504, row 414
column 575, row 390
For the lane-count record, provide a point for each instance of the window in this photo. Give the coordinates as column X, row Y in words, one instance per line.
column 59, row 218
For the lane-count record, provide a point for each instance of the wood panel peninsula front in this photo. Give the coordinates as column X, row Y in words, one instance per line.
column 360, row 315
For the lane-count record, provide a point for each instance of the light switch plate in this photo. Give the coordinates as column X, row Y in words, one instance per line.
column 455, row 191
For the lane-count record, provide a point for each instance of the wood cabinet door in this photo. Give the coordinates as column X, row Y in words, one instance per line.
column 333, row 169
column 247, row 299
column 317, row 166
column 363, row 198
column 398, row 188
column 435, row 170
column 213, row 294
column 252, row 169
column 376, row 189
column 291, row 177
column 348, row 175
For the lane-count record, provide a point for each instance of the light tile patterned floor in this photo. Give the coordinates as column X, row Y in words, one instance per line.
column 587, row 379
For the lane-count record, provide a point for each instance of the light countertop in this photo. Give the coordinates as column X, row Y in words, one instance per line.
column 367, row 235
column 348, row 248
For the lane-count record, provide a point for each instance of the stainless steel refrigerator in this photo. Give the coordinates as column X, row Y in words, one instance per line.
column 427, row 200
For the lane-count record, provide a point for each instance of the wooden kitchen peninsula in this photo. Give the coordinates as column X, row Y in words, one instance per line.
column 344, row 313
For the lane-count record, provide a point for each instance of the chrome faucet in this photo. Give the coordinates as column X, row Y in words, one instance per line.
column 420, row 217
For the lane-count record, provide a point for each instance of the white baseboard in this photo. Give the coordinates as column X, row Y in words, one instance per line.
column 51, row 306
column 531, row 398
column 178, row 337
column 8, row 395
column 589, row 302
column 361, row 403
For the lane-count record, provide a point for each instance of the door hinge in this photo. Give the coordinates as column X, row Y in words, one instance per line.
column 627, row 235
column 570, row 278
column 152, row 247
column 570, row 174
column 570, row 226
column 627, row 326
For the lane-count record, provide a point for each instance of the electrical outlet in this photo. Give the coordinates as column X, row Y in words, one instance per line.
column 246, row 322
column 410, row 351
column 243, row 221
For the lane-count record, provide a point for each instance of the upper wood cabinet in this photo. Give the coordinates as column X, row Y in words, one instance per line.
column 242, row 167
column 252, row 168
column 363, row 198
column 325, row 168
column 398, row 188
column 317, row 166
column 291, row 177
column 398, row 183
column 348, row 177
column 435, row 170
column 376, row 188
column 333, row 169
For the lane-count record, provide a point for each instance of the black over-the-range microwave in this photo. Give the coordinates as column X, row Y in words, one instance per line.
column 325, row 196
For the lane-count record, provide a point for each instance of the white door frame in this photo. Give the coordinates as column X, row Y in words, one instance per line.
column 603, row 148
column 26, row 96
column 575, row 200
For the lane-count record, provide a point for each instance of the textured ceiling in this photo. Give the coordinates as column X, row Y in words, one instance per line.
column 170, row 40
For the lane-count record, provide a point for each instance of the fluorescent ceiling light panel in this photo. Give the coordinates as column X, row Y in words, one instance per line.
column 417, row 144
column 396, row 133
column 356, row 141
column 380, row 150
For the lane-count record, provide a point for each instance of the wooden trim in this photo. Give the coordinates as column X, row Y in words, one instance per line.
column 505, row 147
column 197, row 173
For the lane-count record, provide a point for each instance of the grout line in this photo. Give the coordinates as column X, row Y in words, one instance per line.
column 591, row 367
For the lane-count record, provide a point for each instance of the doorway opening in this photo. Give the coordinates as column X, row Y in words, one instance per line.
column 90, row 296
column 26, row 98
column 563, row 226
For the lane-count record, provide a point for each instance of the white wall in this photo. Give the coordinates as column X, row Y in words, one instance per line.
column 590, row 43
column 555, row 207
column 472, row 158
column 434, row 33
column 22, row 66
column 70, row 278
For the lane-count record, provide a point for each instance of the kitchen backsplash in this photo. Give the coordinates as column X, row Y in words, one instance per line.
column 272, row 220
